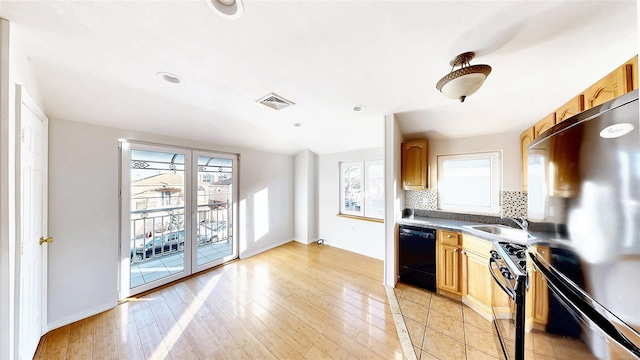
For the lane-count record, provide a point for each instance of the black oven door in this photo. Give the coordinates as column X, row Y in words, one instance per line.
column 507, row 304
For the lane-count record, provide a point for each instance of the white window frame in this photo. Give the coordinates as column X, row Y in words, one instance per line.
column 368, row 206
column 365, row 201
column 495, row 158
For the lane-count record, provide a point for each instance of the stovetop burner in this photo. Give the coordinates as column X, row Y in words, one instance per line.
column 517, row 254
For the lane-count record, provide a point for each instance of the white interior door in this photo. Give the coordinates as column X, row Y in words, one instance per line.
column 32, row 254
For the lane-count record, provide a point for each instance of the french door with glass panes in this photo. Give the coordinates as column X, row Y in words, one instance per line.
column 178, row 214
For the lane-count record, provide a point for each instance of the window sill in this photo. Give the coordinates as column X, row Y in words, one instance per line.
column 355, row 217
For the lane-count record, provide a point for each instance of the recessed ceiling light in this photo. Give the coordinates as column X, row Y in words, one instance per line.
column 297, row 124
column 169, row 77
column 228, row 9
column 359, row 108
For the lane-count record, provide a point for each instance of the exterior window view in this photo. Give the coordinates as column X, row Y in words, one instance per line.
column 159, row 192
column 362, row 188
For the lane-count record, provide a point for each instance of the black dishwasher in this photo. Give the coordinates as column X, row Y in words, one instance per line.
column 418, row 256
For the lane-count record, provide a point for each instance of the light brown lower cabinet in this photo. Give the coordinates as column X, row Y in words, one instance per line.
column 448, row 263
column 477, row 282
column 463, row 273
column 537, row 300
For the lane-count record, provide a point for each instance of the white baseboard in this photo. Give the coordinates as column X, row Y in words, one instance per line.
column 83, row 315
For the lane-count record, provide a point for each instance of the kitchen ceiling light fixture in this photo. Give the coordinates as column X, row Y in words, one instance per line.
column 228, row 9
column 359, row 108
column 459, row 84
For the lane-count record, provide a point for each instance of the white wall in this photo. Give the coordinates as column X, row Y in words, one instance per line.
column 14, row 69
column 359, row 236
column 83, row 215
column 394, row 197
column 305, row 197
column 508, row 143
column 7, row 202
column 271, row 175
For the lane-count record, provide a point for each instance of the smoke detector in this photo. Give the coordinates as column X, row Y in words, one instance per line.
column 275, row 101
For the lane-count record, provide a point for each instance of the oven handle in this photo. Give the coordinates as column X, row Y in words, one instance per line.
column 509, row 292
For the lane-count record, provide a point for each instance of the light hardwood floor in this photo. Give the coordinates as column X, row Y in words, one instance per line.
column 292, row 302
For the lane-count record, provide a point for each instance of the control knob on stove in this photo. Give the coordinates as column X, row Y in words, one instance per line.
column 506, row 273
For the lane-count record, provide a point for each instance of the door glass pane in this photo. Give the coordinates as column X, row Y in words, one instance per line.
column 215, row 193
column 157, row 215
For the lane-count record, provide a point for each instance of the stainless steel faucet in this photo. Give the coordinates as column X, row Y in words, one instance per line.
column 521, row 221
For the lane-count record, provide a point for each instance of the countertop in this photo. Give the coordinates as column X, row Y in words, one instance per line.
column 462, row 226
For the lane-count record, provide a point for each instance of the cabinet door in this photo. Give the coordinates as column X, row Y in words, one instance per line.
column 449, row 268
column 572, row 107
column 529, row 298
column 540, row 292
column 477, row 280
column 634, row 72
column 616, row 83
column 414, row 165
column 525, row 140
column 543, row 125
column 500, row 301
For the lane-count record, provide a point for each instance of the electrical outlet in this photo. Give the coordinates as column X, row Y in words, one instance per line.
column 425, row 201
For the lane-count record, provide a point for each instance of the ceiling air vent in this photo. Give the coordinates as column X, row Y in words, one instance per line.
column 275, row 101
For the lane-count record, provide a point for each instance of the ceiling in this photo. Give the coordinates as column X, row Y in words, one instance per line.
column 96, row 62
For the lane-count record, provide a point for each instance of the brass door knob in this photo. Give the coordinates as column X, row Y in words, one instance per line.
column 47, row 240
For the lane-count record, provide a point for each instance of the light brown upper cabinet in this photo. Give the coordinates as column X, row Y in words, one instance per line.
column 572, row 107
column 415, row 165
column 525, row 140
column 634, row 71
column 544, row 125
column 616, row 83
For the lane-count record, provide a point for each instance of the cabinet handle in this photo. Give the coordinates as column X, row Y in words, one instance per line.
column 455, row 250
column 464, row 252
column 449, row 236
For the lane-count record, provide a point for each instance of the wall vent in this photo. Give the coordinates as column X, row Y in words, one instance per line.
column 275, row 101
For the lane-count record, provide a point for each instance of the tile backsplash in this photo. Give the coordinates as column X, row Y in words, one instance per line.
column 421, row 199
column 513, row 203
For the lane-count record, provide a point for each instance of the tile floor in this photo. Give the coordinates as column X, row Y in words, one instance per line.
column 151, row 270
column 441, row 328
column 445, row 329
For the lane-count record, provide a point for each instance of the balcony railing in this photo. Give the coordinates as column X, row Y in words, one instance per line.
column 160, row 231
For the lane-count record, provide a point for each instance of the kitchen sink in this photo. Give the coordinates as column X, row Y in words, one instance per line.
column 502, row 231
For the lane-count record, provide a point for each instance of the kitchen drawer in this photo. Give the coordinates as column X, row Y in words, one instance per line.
column 449, row 237
column 477, row 246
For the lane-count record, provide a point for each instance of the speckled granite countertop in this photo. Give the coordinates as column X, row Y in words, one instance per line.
column 441, row 224
column 446, row 224
column 462, row 226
